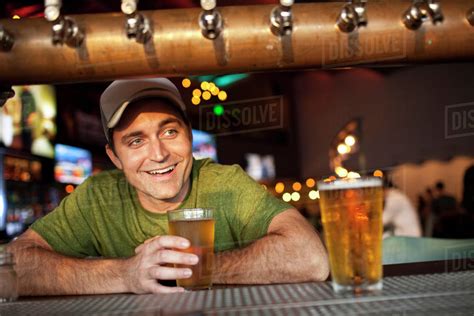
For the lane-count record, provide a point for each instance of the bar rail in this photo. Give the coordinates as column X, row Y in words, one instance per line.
column 430, row 294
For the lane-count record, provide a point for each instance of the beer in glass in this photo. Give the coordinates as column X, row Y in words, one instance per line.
column 351, row 211
column 196, row 225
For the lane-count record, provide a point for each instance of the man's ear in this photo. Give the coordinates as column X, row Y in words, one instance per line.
column 116, row 161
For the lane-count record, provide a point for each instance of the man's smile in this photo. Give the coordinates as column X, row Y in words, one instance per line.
column 162, row 171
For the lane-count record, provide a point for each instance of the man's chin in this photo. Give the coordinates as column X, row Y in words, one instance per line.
column 166, row 196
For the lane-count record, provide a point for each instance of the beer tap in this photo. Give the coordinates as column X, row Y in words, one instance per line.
column 137, row 26
column 470, row 16
column 420, row 11
column 65, row 29
column 210, row 20
column 281, row 18
column 6, row 40
column 352, row 16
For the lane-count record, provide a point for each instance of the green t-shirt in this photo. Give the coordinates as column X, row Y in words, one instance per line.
column 103, row 216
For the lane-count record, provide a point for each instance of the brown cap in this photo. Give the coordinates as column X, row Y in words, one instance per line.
column 120, row 93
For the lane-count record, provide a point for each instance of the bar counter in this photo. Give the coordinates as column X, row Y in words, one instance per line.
column 431, row 288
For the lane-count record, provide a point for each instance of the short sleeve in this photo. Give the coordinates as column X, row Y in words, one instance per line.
column 66, row 228
column 256, row 208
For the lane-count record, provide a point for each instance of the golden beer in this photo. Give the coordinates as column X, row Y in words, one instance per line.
column 351, row 211
column 196, row 225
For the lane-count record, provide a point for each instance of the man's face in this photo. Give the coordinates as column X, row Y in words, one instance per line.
column 153, row 147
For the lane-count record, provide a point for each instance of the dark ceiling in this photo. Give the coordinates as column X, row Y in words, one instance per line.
column 34, row 8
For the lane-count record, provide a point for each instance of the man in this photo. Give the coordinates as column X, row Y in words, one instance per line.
column 119, row 217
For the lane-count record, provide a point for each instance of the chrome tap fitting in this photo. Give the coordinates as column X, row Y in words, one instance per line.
column 420, row 11
column 210, row 20
column 352, row 16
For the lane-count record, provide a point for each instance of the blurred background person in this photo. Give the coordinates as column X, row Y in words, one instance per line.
column 459, row 223
column 424, row 211
column 444, row 208
column 399, row 215
column 443, row 203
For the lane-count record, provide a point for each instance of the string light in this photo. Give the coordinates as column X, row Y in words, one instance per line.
column 279, row 187
column 16, row 17
column 286, row 197
column 313, row 195
column 205, row 85
column 378, row 173
column 195, row 100
column 186, row 83
column 295, row 196
column 310, row 182
column 341, row 172
column 350, row 140
column 296, row 186
column 206, row 95
column 222, row 95
column 343, row 149
column 215, row 91
column 196, row 93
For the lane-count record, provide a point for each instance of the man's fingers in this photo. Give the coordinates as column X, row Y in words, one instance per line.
column 165, row 256
column 165, row 273
column 152, row 286
column 172, row 242
column 159, row 242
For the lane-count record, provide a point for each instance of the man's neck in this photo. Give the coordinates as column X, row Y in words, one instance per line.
column 154, row 205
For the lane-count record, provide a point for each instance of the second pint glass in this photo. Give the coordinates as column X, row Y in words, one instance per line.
column 351, row 211
column 197, row 226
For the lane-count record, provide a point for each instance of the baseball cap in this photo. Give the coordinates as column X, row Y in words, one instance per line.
column 120, row 93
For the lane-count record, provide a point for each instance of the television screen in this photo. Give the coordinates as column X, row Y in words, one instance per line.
column 27, row 121
column 204, row 145
column 73, row 164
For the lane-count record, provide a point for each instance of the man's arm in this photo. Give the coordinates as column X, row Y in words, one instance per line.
column 42, row 271
column 290, row 252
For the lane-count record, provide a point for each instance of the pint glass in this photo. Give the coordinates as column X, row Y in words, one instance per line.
column 351, row 211
column 196, row 225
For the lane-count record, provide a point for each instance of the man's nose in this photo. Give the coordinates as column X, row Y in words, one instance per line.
column 158, row 150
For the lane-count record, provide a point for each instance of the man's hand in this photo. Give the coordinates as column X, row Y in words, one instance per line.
column 153, row 261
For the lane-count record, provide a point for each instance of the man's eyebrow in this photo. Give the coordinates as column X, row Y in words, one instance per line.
column 169, row 121
column 130, row 135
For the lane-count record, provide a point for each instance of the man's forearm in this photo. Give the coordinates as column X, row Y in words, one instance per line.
column 44, row 272
column 271, row 260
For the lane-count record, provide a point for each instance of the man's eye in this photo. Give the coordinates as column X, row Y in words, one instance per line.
column 170, row 132
column 135, row 142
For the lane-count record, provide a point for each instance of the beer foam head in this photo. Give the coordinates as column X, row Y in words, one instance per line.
column 190, row 214
column 358, row 183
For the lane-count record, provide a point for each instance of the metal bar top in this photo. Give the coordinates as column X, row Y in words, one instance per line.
column 433, row 294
